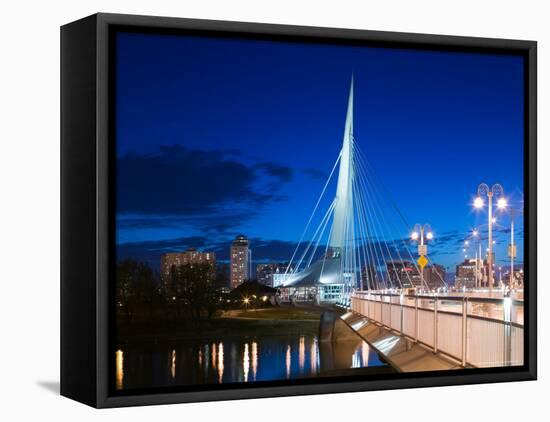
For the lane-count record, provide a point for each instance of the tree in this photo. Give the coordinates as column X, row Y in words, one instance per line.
column 136, row 288
column 193, row 285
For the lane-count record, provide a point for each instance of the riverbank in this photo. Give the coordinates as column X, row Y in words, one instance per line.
column 231, row 324
column 276, row 314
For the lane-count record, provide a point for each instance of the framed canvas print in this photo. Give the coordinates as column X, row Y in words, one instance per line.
column 253, row 210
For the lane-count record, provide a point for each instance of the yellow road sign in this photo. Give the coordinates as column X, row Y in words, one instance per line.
column 422, row 261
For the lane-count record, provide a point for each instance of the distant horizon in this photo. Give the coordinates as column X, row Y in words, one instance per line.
column 204, row 155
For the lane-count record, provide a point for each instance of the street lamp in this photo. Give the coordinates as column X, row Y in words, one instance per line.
column 476, row 241
column 503, row 205
column 421, row 232
column 493, row 191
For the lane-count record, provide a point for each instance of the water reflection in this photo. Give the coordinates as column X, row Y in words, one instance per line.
column 220, row 363
column 287, row 361
column 360, row 358
column 119, row 369
column 173, row 365
column 302, row 354
column 214, row 355
column 246, row 362
column 314, row 356
column 238, row 360
column 254, row 359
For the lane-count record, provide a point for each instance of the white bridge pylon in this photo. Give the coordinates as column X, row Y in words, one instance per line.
column 355, row 244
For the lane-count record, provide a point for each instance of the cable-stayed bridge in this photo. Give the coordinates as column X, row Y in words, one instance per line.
column 358, row 242
column 355, row 257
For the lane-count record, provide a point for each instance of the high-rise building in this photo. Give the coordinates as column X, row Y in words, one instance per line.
column 239, row 261
column 518, row 277
column 190, row 256
column 402, row 273
column 369, row 278
column 434, row 275
column 405, row 274
column 267, row 273
column 466, row 274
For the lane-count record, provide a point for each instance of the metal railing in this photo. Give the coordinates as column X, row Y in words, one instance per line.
column 475, row 330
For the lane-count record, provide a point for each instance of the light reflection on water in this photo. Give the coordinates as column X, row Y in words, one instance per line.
column 254, row 359
column 287, row 360
column 246, row 363
column 248, row 360
column 119, row 361
column 173, row 367
column 220, row 363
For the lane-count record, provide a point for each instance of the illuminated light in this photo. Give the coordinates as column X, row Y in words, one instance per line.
column 466, row 242
column 475, row 233
column 264, row 298
column 494, row 220
column 414, row 235
column 246, row 300
column 502, row 203
column 429, row 236
column 478, row 202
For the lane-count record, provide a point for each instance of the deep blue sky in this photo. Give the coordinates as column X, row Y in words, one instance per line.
column 217, row 137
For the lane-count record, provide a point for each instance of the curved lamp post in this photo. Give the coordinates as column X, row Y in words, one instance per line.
column 491, row 192
column 504, row 206
column 419, row 233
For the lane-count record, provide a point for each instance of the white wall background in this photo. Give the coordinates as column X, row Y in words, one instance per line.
column 29, row 210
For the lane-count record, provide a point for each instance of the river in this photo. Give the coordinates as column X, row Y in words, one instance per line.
column 243, row 360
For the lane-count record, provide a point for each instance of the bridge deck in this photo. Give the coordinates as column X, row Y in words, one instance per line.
column 403, row 354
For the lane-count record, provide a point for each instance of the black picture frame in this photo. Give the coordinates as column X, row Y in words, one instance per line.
column 87, row 222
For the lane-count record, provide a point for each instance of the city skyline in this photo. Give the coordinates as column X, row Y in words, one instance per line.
column 252, row 152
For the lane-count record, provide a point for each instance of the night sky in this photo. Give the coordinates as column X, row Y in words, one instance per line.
column 217, row 137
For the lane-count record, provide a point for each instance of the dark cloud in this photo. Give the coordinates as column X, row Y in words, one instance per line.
column 205, row 223
column 281, row 173
column 315, row 174
column 150, row 251
column 180, row 181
